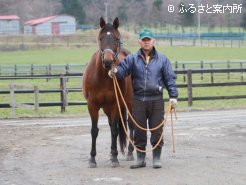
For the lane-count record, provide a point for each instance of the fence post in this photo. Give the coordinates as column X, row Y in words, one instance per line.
column 48, row 71
column 228, row 67
column 184, row 77
column 32, row 68
column 189, row 87
column 202, row 69
column 36, row 99
column 241, row 67
column 176, row 65
column 212, row 74
column 67, row 69
column 15, row 70
column 12, row 99
column 63, row 94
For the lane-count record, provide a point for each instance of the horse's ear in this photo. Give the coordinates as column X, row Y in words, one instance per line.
column 116, row 23
column 102, row 22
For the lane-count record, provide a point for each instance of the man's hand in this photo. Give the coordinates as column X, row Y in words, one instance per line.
column 112, row 72
column 173, row 102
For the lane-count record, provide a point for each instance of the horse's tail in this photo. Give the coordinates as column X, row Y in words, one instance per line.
column 122, row 134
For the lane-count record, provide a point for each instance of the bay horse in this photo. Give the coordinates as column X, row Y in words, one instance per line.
column 99, row 93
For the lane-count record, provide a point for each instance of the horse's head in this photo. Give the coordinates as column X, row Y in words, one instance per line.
column 109, row 42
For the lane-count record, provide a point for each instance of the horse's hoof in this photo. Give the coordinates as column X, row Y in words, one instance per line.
column 92, row 165
column 115, row 164
column 129, row 157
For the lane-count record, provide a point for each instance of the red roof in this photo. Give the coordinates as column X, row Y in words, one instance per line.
column 39, row 21
column 9, row 17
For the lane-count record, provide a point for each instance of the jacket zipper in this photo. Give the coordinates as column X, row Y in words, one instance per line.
column 145, row 81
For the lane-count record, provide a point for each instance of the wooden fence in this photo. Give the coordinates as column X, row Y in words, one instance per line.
column 23, row 42
column 56, row 69
column 189, row 85
column 40, row 69
column 13, row 104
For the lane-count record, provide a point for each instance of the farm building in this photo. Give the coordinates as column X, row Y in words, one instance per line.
column 53, row 25
column 9, row 24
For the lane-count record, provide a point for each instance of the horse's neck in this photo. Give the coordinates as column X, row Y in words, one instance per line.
column 100, row 71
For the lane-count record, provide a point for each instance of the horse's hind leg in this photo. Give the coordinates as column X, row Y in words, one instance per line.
column 129, row 156
column 94, row 134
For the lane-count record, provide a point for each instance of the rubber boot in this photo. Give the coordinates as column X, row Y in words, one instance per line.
column 140, row 162
column 156, row 157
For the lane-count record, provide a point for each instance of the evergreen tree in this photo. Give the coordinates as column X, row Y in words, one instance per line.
column 157, row 4
column 122, row 11
column 243, row 20
column 74, row 7
column 186, row 16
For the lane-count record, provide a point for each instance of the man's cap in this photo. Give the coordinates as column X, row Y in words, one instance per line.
column 146, row 33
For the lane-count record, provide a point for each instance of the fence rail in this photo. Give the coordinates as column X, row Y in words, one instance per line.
column 23, row 42
column 189, row 85
column 57, row 69
column 40, row 69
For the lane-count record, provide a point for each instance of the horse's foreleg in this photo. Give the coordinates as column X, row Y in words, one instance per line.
column 94, row 134
column 114, row 135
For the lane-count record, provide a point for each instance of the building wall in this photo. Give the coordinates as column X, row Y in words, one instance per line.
column 9, row 27
column 67, row 25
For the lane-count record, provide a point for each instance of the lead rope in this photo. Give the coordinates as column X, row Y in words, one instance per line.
column 168, row 110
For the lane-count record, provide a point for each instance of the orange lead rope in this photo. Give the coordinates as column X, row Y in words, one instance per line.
column 173, row 110
column 163, row 124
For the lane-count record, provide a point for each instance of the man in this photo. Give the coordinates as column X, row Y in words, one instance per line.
column 150, row 71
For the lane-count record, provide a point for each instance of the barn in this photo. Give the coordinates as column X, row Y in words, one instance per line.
column 52, row 25
column 9, row 24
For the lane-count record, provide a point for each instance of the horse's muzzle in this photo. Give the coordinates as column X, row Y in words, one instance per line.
column 108, row 64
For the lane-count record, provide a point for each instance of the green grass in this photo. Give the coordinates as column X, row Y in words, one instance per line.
column 82, row 55
column 48, row 56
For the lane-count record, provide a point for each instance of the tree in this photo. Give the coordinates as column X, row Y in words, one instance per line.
column 73, row 7
column 186, row 15
column 157, row 4
column 122, row 11
column 243, row 20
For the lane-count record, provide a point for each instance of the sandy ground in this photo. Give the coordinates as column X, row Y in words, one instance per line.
column 210, row 150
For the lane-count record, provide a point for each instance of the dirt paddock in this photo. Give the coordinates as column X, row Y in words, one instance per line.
column 210, row 150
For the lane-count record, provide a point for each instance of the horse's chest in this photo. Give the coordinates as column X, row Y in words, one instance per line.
column 104, row 97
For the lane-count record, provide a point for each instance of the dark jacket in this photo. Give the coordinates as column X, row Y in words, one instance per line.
column 149, row 79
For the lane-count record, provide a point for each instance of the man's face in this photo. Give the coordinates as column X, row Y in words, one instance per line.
column 147, row 44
